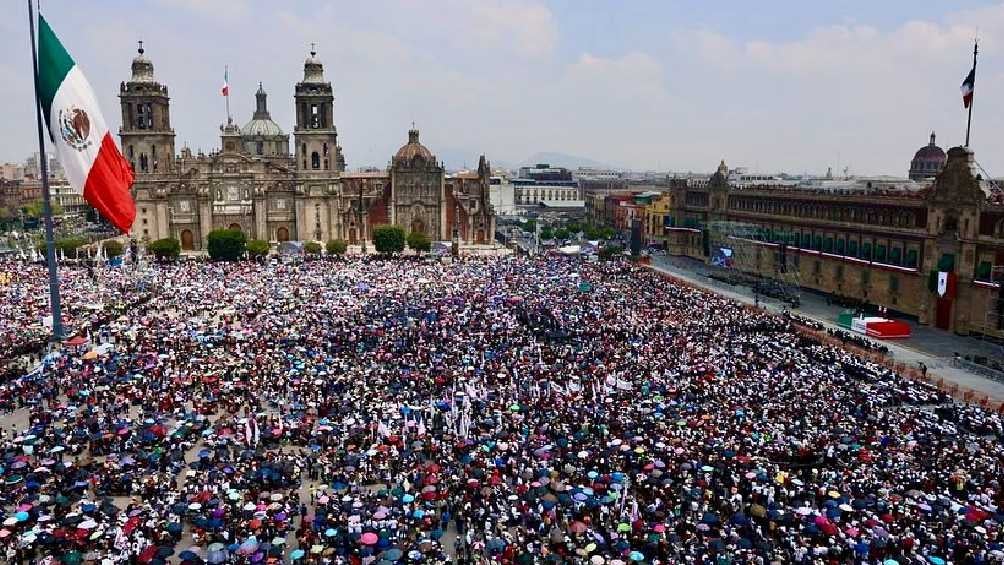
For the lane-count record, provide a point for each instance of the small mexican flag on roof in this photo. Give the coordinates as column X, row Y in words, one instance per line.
column 93, row 164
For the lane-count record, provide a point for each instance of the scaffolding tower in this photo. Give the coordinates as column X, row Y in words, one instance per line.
column 751, row 255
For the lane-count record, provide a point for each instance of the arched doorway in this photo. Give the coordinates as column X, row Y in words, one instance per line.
column 282, row 234
column 418, row 226
column 352, row 236
column 187, row 240
column 480, row 236
column 235, row 226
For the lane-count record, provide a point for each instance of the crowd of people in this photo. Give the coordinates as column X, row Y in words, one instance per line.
column 87, row 299
column 511, row 410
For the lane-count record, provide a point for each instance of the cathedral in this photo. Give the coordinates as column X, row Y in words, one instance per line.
column 254, row 183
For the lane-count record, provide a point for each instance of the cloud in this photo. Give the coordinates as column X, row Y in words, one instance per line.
column 512, row 78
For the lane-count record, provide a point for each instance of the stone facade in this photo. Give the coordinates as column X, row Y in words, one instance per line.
column 253, row 182
column 879, row 246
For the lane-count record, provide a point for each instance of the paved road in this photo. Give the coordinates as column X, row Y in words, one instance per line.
column 927, row 345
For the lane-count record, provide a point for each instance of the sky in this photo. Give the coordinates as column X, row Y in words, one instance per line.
column 776, row 85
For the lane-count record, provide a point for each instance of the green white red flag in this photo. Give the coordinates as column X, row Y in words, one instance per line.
column 86, row 149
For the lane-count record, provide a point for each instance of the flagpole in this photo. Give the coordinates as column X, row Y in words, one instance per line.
column 226, row 81
column 50, row 244
column 969, row 121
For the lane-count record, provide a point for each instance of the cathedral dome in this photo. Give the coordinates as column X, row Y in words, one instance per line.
column 264, row 127
column 413, row 149
column 927, row 161
column 261, row 123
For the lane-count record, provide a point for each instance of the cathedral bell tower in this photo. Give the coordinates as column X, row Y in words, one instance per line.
column 146, row 135
column 316, row 138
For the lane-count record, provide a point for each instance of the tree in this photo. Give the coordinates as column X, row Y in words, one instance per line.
column 114, row 248
column 337, row 247
column 312, row 248
column 546, row 233
column 388, row 240
column 226, row 244
column 165, row 249
column 257, row 248
column 530, row 226
column 69, row 245
column 561, row 233
column 419, row 242
column 608, row 252
column 36, row 209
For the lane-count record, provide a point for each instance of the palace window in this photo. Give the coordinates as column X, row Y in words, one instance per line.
column 983, row 270
column 911, row 257
column 880, row 253
column 852, row 248
column 893, row 283
column 315, row 160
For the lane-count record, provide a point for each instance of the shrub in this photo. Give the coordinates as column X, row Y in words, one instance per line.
column 419, row 242
column 114, row 248
column 164, row 249
column 257, row 248
column 312, row 248
column 226, row 244
column 608, row 252
column 337, row 247
column 69, row 245
column 388, row 240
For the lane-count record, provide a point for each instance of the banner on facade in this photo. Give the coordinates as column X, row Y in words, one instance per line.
column 942, row 283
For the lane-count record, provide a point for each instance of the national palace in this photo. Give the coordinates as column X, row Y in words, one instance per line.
column 881, row 242
column 256, row 183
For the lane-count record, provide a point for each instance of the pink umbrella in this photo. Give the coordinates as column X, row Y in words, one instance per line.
column 369, row 538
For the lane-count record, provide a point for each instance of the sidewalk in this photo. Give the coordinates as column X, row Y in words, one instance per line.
column 927, row 345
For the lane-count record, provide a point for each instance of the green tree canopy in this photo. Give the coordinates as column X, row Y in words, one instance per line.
column 312, row 248
column 419, row 242
column 114, row 248
column 36, row 208
column 257, row 248
column 165, row 249
column 69, row 245
column 226, row 244
column 388, row 240
column 608, row 252
column 337, row 247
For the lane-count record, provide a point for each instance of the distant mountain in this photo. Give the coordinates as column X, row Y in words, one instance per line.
column 564, row 160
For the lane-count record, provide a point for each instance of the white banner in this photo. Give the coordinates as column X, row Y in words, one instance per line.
column 942, row 283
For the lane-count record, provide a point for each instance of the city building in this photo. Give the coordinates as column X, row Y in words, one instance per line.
column 878, row 241
column 502, row 194
column 257, row 183
column 12, row 171
column 544, row 172
column 556, row 193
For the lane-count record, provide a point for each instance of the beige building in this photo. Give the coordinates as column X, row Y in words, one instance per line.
column 878, row 243
column 256, row 183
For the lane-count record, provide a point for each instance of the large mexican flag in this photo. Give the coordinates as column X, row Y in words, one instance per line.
column 85, row 147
